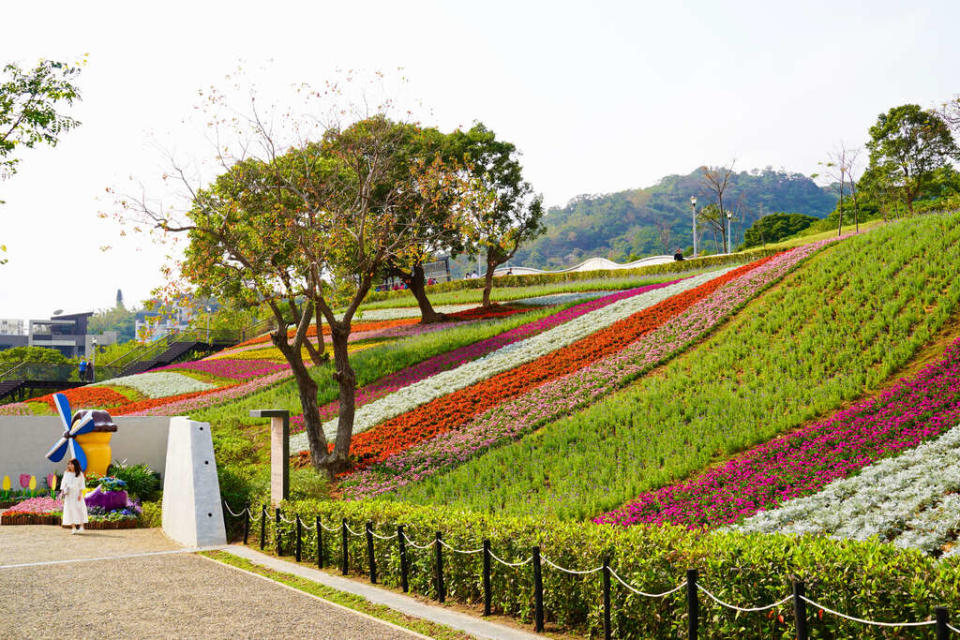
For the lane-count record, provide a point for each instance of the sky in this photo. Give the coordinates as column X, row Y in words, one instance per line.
column 598, row 97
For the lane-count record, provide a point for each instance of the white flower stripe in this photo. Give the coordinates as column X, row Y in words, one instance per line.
column 910, row 500
column 159, row 384
column 511, row 356
column 560, row 298
column 396, row 313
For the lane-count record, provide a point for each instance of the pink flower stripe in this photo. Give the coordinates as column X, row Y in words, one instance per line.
column 511, row 420
column 803, row 462
column 229, row 368
column 215, row 397
column 37, row 505
column 15, row 409
column 457, row 357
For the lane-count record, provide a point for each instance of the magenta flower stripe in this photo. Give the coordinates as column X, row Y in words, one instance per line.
column 804, row 462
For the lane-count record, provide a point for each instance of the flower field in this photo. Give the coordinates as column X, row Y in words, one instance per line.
column 804, row 462
column 519, row 416
column 912, row 500
column 833, row 330
column 512, row 356
column 159, row 384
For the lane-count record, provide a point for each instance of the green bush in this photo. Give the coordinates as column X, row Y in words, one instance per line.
column 142, row 481
column 865, row 579
column 151, row 516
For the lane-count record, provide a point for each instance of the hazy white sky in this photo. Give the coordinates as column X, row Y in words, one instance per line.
column 599, row 96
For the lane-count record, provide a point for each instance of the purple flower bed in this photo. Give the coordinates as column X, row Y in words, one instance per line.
column 513, row 419
column 227, row 368
column 804, row 462
column 457, row 357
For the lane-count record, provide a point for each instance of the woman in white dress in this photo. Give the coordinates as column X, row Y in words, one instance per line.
column 74, row 507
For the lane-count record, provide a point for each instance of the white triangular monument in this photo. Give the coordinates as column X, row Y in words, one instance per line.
column 192, row 510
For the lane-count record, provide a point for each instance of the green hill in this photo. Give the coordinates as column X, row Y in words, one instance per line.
column 656, row 220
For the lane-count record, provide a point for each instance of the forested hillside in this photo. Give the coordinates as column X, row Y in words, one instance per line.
column 656, row 220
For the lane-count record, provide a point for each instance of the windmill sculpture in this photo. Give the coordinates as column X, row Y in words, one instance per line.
column 68, row 442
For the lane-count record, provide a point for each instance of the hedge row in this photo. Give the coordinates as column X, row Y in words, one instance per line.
column 865, row 579
column 576, row 276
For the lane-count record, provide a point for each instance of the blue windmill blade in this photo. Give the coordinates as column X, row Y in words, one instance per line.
column 56, row 451
column 76, row 451
column 84, row 425
column 63, row 408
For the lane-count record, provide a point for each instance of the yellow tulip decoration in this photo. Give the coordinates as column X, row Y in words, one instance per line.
column 33, row 485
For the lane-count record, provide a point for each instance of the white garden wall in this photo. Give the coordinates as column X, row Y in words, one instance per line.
column 25, row 440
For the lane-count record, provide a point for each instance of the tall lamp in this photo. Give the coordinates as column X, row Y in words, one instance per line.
column 693, row 212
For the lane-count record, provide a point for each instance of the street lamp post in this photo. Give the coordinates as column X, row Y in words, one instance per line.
column 208, row 324
column 93, row 363
column 693, row 212
column 729, row 232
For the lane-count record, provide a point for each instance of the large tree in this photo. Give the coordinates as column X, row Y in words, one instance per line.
column 31, row 103
column 307, row 230
column 716, row 181
column 504, row 211
column 907, row 145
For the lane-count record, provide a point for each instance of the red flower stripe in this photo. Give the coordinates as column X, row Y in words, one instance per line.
column 457, row 408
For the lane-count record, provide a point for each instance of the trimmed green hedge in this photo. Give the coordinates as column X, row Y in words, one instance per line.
column 865, row 579
column 576, row 276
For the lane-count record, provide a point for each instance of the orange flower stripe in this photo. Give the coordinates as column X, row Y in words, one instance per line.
column 86, row 397
column 356, row 328
column 455, row 409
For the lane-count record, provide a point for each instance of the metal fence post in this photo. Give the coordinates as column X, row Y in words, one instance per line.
column 693, row 605
column 371, row 560
column 319, row 543
column 537, row 591
column 607, row 631
column 441, row 593
column 942, row 621
column 486, row 577
column 263, row 526
column 344, row 563
column 403, row 558
column 299, row 549
column 278, row 532
column 246, row 524
column 800, row 609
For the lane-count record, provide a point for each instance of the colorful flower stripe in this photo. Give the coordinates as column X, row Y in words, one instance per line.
column 560, row 298
column 159, row 384
column 457, row 408
column 412, row 313
column 468, row 353
column 15, row 409
column 229, row 368
column 511, row 420
column 87, row 397
column 141, row 406
column 184, row 405
column 312, row 330
column 909, row 500
column 803, row 462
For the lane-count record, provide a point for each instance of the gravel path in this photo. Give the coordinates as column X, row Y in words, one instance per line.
column 21, row 544
column 163, row 596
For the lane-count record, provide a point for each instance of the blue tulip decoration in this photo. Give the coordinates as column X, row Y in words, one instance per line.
column 68, row 442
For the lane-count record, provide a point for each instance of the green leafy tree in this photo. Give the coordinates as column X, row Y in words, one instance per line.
column 41, row 355
column 30, row 110
column 907, row 146
column 305, row 231
column 504, row 212
column 775, row 227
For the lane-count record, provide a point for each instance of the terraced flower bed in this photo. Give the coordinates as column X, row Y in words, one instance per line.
column 833, row 330
column 512, row 419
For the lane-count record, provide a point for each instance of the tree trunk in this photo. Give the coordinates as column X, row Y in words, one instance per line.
column 339, row 460
column 418, row 286
column 488, row 282
column 840, row 226
column 307, row 388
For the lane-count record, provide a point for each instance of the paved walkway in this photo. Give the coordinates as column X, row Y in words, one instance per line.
column 138, row 584
column 478, row 627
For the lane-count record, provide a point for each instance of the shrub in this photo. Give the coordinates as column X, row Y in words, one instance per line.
column 142, row 481
column 151, row 515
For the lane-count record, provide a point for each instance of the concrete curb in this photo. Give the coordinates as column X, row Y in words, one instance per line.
column 404, row 604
